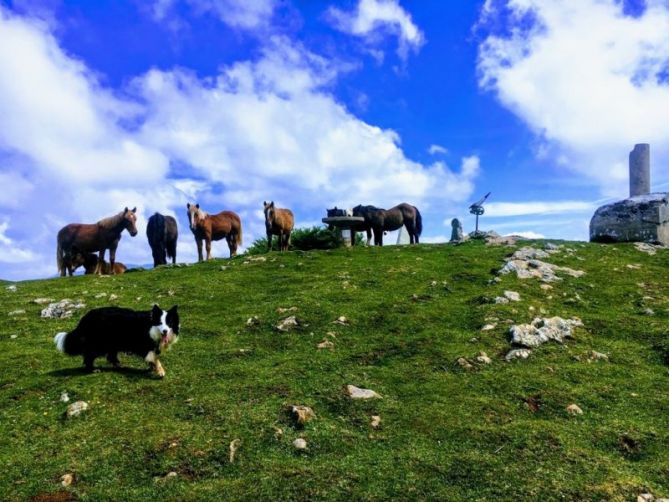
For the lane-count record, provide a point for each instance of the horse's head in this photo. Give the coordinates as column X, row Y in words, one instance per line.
column 130, row 220
column 357, row 210
column 195, row 215
column 270, row 212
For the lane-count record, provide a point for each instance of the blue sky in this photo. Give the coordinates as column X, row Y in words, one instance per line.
column 316, row 103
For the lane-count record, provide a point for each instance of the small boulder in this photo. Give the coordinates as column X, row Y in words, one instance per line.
column 11, row 288
column 234, row 446
column 376, row 422
column 61, row 310
column 288, row 324
column 325, row 344
column 300, row 444
column 76, row 408
column 42, row 301
column 489, row 327
column 517, row 354
column 358, row 393
column 253, row 321
column 464, row 364
column 301, row 414
column 342, row 320
column 16, row 312
column 64, row 397
column 483, row 358
column 66, row 479
column 512, row 296
column 597, row 356
column 574, row 409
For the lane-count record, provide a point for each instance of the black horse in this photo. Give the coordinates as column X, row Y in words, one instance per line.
column 387, row 220
column 162, row 234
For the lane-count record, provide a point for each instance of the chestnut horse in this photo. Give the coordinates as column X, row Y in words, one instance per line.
column 93, row 237
column 162, row 234
column 278, row 222
column 387, row 220
column 90, row 264
column 213, row 227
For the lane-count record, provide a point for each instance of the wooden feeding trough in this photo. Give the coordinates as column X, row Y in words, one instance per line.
column 342, row 219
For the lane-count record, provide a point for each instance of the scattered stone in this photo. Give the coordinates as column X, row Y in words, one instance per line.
column 283, row 310
column 113, row 297
column 464, row 364
column 517, row 354
column 11, row 288
column 546, row 287
column 223, row 268
column 256, row 258
column 300, row 444
column 648, row 311
column 489, row 327
column 278, row 433
column 483, row 358
column 358, row 393
column 13, row 337
column 62, row 309
column 301, row 414
column 234, row 446
column 342, row 321
column 526, row 263
column 42, row 301
column 551, row 247
column 325, row 344
column 100, row 295
column 597, row 356
column 645, row 497
column 574, row 409
column 66, row 479
column 541, row 330
column 473, row 340
column 253, row 321
column 76, row 408
column 645, row 247
column 16, row 312
column 501, row 300
column 512, row 296
column 633, row 266
column 64, row 397
column 288, row 323
column 376, row 421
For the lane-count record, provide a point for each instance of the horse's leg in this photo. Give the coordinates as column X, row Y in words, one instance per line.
column 198, row 242
column 369, row 235
column 269, row 241
column 207, row 243
column 98, row 266
column 288, row 234
column 112, row 259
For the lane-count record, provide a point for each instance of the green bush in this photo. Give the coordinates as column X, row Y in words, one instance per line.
column 304, row 239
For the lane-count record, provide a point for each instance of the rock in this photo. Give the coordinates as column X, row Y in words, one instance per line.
column 517, row 354
column 66, row 479
column 501, row 300
column 278, row 433
column 489, row 327
column 473, row 340
column 76, row 408
column 645, row 497
column 358, row 393
column 638, row 219
column 64, row 397
column 457, row 235
column 463, row 363
column 13, row 337
column 526, row 264
column 283, row 310
column 342, row 321
column 549, row 246
column 512, row 296
column 542, row 330
column 253, row 321
column 376, row 421
column 300, row 444
column 597, row 356
column 16, row 312
column 574, row 409
column 648, row 311
column 644, row 247
column 11, row 288
column 325, row 344
column 546, row 287
column 42, row 301
column 223, row 268
column 234, row 446
column 301, row 414
column 100, row 295
column 113, row 297
column 288, row 323
column 633, row 266
column 483, row 358
column 61, row 310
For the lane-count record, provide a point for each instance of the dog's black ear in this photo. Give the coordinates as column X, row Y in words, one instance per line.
column 173, row 309
column 156, row 313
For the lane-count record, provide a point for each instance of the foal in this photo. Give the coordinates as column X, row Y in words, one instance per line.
column 278, row 222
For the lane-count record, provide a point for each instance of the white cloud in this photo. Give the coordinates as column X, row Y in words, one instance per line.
column 583, row 76
column 262, row 129
column 528, row 234
column 437, row 149
column 372, row 19
column 505, row 209
column 243, row 14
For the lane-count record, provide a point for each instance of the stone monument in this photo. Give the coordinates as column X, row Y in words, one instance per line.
column 644, row 217
column 456, row 234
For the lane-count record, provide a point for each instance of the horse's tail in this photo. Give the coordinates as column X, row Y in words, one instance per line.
column 419, row 222
column 238, row 237
column 59, row 258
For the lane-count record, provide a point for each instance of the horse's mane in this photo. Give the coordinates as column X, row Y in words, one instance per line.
column 111, row 221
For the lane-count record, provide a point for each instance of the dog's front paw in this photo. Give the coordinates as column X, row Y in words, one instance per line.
column 159, row 370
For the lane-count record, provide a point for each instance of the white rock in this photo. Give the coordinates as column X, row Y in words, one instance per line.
column 234, row 446
column 501, row 300
column 301, row 414
column 62, row 309
column 100, row 295
column 517, row 354
column 113, row 297
column 283, row 310
column 11, row 288
column 358, row 393
column 341, row 320
column 483, row 358
column 542, row 330
column 42, row 301
column 489, row 327
column 376, row 421
column 512, row 296
column 13, row 337
column 300, row 444
column 288, row 323
column 66, row 479
column 16, row 312
column 325, row 344
column 463, row 363
column 574, row 409
column 64, row 397
column 76, row 408
column 253, row 321
column 598, row 356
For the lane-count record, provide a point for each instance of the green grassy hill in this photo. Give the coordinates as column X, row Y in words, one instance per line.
column 495, row 431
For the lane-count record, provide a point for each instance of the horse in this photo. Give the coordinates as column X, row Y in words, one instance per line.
column 278, row 222
column 213, row 227
column 366, row 225
column 90, row 263
column 387, row 220
column 93, row 237
column 162, row 233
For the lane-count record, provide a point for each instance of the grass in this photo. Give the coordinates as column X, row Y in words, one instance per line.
column 446, row 433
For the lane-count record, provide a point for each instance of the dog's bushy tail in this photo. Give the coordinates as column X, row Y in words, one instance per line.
column 67, row 343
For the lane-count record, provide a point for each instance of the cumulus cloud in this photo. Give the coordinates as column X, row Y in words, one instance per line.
column 505, row 209
column 241, row 14
column 437, row 150
column 371, row 20
column 587, row 77
column 267, row 128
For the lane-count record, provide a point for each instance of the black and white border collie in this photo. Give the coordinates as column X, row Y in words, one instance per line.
column 107, row 331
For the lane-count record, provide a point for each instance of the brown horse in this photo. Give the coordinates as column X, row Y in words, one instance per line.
column 90, row 263
column 213, row 227
column 387, row 220
column 93, row 237
column 278, row 222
